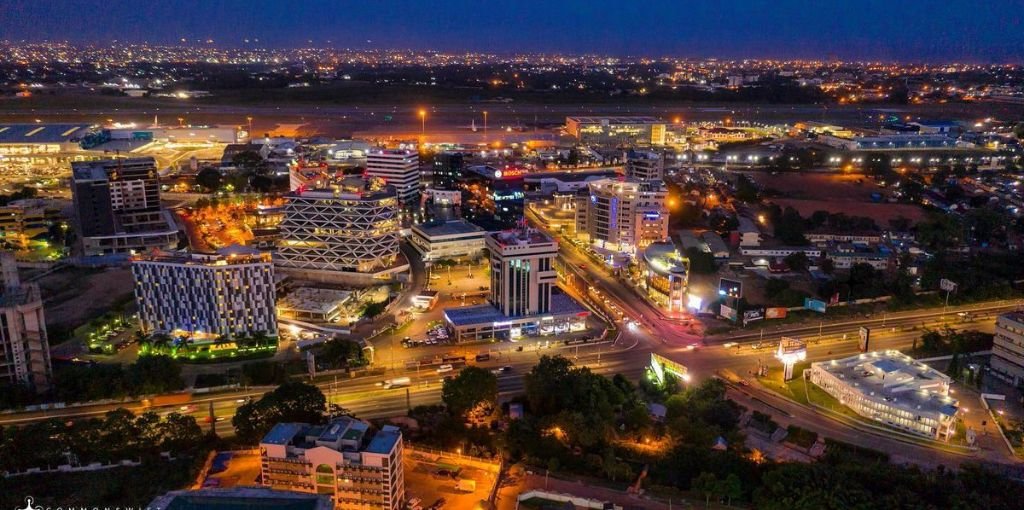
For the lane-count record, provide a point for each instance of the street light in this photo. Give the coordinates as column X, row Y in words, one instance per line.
column 423, row 122
column 485, row 124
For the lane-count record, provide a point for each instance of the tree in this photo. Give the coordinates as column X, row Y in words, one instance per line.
column 706, row 484
column 179, row 433
column 473, row 386
column 209, row 178
column 790, row 227
column 290, row 402
column 701, row 262
column 731, row 488
column 340, row 352
column 154, row 374
column 1018, row 130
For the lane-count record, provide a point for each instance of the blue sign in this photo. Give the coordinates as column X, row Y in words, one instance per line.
column 815, row 305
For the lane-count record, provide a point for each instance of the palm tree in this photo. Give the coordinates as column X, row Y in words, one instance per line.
column 160, row 342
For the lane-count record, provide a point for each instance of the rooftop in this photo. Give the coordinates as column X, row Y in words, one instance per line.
column 896, row 378
column 98, row 170
column 561, row 305
column 448, row 228
column 311, row 299
column 283, row 433
column 240, row 498
column 42, row 133
column 520, row 237
column 384, row 441
column 616, row 120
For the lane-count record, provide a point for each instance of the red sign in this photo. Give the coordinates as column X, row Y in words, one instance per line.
column 775, row 313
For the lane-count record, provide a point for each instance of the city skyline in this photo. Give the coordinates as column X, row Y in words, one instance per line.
column 988, row 33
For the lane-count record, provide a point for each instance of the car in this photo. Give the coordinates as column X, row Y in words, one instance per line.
column 447, row 367
column 502, row 370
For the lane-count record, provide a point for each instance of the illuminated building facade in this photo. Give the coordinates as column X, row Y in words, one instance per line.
column 891, row 388
column 616, row 130
column 623, row 215
column 359, row 468
column 351, row 228
column 1007, row 360
column 206, row 296
column 492, row 197
column 117, row 206
column 665, row 275
column 399, row 168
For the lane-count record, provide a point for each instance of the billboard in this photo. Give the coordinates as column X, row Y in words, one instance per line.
column 730, row 288
column 947, row 285
column 753, row 315
column 865, row 338
column 776, row 313
column 815, row 305
column 728, row 313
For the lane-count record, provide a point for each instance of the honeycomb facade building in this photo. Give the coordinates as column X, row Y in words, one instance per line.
column 344, row 233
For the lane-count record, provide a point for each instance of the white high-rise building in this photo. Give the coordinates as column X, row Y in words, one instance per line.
column 24, row 348
column 206, row 295
column 352, row 228
column 623, row 214
column 358, row 468
column 399, row 168
column 1007, row 361
column 522, row 274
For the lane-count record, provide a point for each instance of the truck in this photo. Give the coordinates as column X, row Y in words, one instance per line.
column 397, row 382
column 465, row 485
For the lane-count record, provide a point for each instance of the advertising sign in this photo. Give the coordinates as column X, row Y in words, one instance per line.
column 776, row 313
column 815, row 305
column 947, row 285
column 865, row 337
column 730, row 288
column 753, row 315
column 728, row 313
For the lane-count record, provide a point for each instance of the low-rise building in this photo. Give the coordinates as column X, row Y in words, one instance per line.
column 847, row 255
column 455, row 239
column 1007, row 361
column 665, row 275
column 750, row 235
column 893, row 389
column 780, row 251
column 205, row 296
column 313, row 304
column 716, row 245
column 345, row 459
column 23, row 220
column 236, row 498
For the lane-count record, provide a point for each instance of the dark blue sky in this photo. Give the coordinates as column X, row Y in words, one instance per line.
column 965, row 30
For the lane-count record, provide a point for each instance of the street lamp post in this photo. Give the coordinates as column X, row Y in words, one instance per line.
column 423, row 122
column 485, row 125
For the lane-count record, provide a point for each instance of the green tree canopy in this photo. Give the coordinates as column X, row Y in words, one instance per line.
column 472, row 387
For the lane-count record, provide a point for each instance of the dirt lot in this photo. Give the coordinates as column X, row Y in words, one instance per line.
column 74, row 296
column 836, row 193
column 423, row 480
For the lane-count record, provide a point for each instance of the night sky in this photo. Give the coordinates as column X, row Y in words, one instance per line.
column 920, row 30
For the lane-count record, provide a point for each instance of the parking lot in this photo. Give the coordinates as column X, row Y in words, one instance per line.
column 438, row 480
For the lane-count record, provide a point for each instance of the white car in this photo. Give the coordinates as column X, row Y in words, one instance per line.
column 445, row 368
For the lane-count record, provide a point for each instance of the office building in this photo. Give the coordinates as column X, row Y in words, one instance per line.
column 447, row 170
column 399, row 168
column 492, row 197
column 24, row 348
column 205, row 296
column 645, row 166
column 1007, row 361
column 664, row 276
column 239, row 498
column 345, row 459
column 448, row 240
column 341, row 233
column 893, row 389
column 522, row 301
column 616, row 130
column 623, row 215
column 117, row 206
column 522, row 274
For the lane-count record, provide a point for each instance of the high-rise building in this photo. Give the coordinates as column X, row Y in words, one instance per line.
column 1007, row 361
column 645, row 166
column 24, row 348
column 206, row 296
column 447, row 170
column 399, row 168
column 623, row 215
column 117, row 206
column 344, row 459
column 351, row 228
column 522, row 274
column 492, row 197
